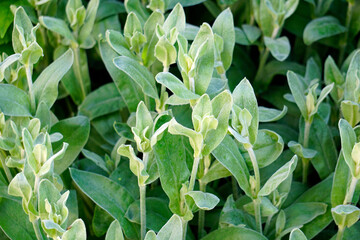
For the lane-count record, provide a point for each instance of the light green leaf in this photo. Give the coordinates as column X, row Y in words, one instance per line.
column 205, row 201
column 352, row 79
column 45, row 87
column 86, row 29
column 172, row 230
column 345, row 215
column 322, row 27
column 114, row 232
column 76, row 231
column 279, row 48
column 175, row 85
column 175, row 19
column 348, row 140
column 278, row 177
column 271, row 114
column 139, row 74
column 14, row 101
column 297, row 90
column 299, row 150
column 58, row 26
column 234, row 233
column 297, row 234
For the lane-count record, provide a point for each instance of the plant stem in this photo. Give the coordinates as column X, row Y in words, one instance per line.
column 257, row 203
column 30, row 83
column 305, row 161
column 184, row 227
column 267, row 225
column 350, row 191
column 77, row 70
column 346, row 34
column 201, row 224
column 143, row 210
column 37, row 231
column 6, row 169
column 256, row 200
column 340, row 233
column 193, row 173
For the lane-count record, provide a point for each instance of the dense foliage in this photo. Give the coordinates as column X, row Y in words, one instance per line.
column 165, row 119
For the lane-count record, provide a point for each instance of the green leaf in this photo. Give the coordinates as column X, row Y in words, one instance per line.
column 76, row 231
column 175, row 19
column 216, row 171
column 224, row 27
column 299, row 150
column 170, row 156
column 157, row 213
column 351, row 112
column 114, row 232
column 75, row 132
column 345, row 215
column 172, row 230
column 136, row 7
column 297, row 90
column 106, row 99
column 115, row 200
column 129, row 90
column 268, row 147
column 45, row 87
column 205, row 201
column 58, row 26
column 175, row 85
column 14, row 101
column 86, row 29
column 139, row 74
column 227, row 153
column 322, row 27
column 297, row 234
column 332, row 74
column 95, row 159
column 348, row 140
column 279, row 48
column 266, row 207
column 14, row 222
column 244, row 97
column 234, row 233
column 21, row 21
column 271, row 114
column 278, row 177
column 352, row 77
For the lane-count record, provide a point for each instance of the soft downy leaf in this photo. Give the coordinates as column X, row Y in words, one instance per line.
column 297, row 234
column 348, row 140
column 279, row 48
column 115, row 200
column 14, row 101
column 320, row 28
column 270, row 114
column 234, row 233
column 172, row 230
column 352, row 78
column 76, row 231
column 203, row 200
column 114, row 232
column 345, row 215
column 299, row 150
column 278, row 177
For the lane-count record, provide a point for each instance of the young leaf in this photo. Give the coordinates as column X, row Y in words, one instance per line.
column 14, row 101
column 345, row 215
column 76, row 231
column 348, row 140
column 234, row 233
column 271, row 114
column 172, row 230
column 114, row 232
column 279, row 48
column 297, row 234
column 58, row 26
column 205, row 201
column 297, row 90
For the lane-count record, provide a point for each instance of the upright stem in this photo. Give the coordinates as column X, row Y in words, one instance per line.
column 77, row 71
column 143, row 210
column 267, row 225
column 184, row 227
column 340, row 233
column 256, row 200
column 305, row 161
column 30, row 83
column 193, row 173
column 201, row 224
column 350, row 192
column 37, row 231
column 6, row 169
column 346, row 34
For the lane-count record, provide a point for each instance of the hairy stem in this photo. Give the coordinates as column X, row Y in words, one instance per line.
column 30, row 83
column 193, row 173
column 143, row 210
column 256, row 200
column 201, row 223
column 305, row 161
column 6, row 169
column 37, row 230
column 340, row 233
column 77, row 71
column 350, row 191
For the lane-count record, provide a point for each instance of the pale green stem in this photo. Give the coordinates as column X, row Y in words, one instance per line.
column 184, row 226
column 256, row 200
column 350, row 192
column 37, row 231
column 143, row 211
column 267, row 225
column 193, row 173
column 77, row 70
column 305, row 161
column 192, row 84
column 30, row 84
column 6, row 169
column 201, row 224
column 340, row 233
column 346, row 34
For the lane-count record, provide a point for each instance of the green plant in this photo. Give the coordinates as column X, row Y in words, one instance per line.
column 135, row 120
